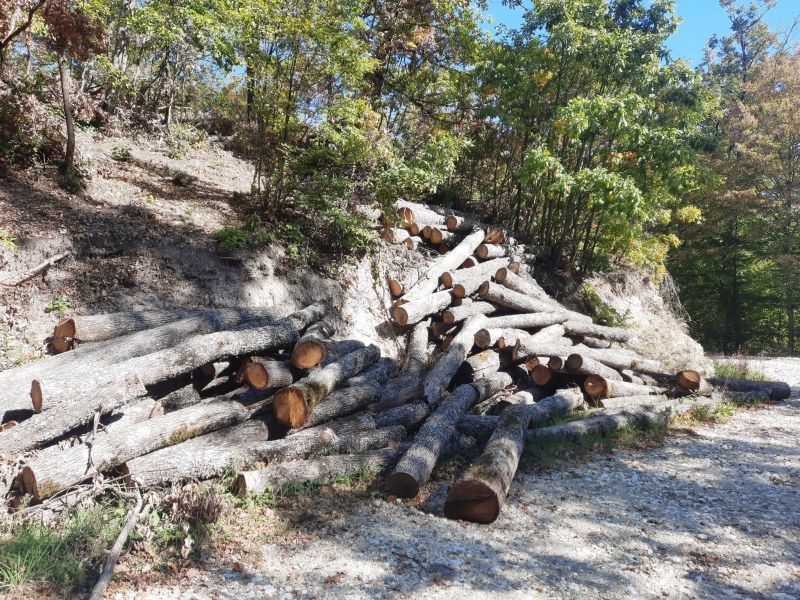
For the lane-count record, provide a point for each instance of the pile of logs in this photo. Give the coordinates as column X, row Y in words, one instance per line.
column 159, row 397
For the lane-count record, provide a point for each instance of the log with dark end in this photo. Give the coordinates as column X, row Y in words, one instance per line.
column 442, row 373
column 263, row 373
column 309, row 351
column 600, row 387
column 583, row 365
column 415, row 311
column 465, row 311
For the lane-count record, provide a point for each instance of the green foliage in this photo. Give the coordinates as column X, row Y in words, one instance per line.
column 121, row 153
column 59, row 306
column 230, row 239
column 702, row 413
column 602, row 312
column 32, row 554
column 9, row 240
column 738, row 370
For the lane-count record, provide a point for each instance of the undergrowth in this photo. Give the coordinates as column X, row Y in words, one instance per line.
column 602, row 311
column 738, row 370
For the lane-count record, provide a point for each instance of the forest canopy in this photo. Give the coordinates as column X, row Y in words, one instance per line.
column 578, row 129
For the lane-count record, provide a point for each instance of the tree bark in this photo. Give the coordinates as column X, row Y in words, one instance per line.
column 310, row 348
column 456, row 314
column 599, row 387
column 525, row 397
column 628, row 402
column 203, row 457
column 505, row 337
column 325, row 469
column 439, row 377
column 443, row 236
column 411, row 212
column 96, row 328
column 415, row 311
column 409, row 415
column 467, row 281
column 615, row 334
column 777, row 390
column 293, row 404
column 503, row 296
column 584, row 365
column 517, row 283
column 183, row 397
column 66, row 95
column 56, row 469
column 488, row 251
column 429, row 282
column 479, row 494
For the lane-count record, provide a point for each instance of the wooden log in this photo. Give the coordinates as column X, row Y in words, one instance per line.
column 596, row 343
column 55, row 469
column 183, row 358
column 627, row 402
column 527, row 321
column 443, row 236
column 777, row 390
column 541, row 375
column 632, row 376
column 396, row 287
column 477, row 425
column 555, row 363
column 262, row 373
column 309, row 351
column 500, row 337
column 488, row 359
column 478, row 495
column 430, row 281
column 408, row 415
column 337, row 349
column 600, row 387
column 442, row 373
column 692, row 381
column 504, row 296
column 528, row 347
column 31, row 273
column 40, row 430
column 489, row 251
column 439, row 329
column 417, row 464
column 60, row 344
column 203, row 457
column 394, row 235
column 93, row 328
column 598, row 425
column 584, row 365
column 426, row 232
column 408, row 386
column 523, row 285
column 143, row 410
column 183, row 397
column 615, row 334
column 496, row 235
column 323, row 469
column 461, row 224
column 466, row 310
column 467, row 281
column 415, row 229
column 413, row 212
column 415, row 311
column 294, row 403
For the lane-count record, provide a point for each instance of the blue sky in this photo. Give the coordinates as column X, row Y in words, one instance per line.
column 701, row 19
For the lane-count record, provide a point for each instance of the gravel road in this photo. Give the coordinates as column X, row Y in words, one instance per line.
column 713, row 513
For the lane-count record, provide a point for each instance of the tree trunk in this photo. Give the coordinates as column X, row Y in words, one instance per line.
column 203, row 457
column 599, row 425
column 519, row 284
column 439, row 377
column 263, row 373
column 615, row 334
column 393, row 235
column 631, row 402
column 69, row 154
column 599, row 387
column 415, row 311
column 479, row 425
column 777, row 390
column 526, row 348
column 325, row 469
column 429, row 282
column 293, row 404
column 479, row 494
column 584, row 365
column 183, row 397
column 96, row 328
column 310, row 348
column 519, row 302
column 468, row 309
column 56, row 469
column 502, row 338
column 525, row 397
column 193, row 353
column 461, row 224
column 411, row 212
column 409, row 415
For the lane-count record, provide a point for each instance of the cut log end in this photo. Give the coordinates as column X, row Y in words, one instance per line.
column 290, row 407
column 447, row 279
column 65, row 328
column 501, row 274
column 308, row 354
column 555, row 363
column 596, row 386
column 256, row 376
column 574, row 362
column 27, row 483
column 399, row 315
column 483, row 339
column 395, row 288
column 484, row 289
column 403, row 485
column 482, row 252
column 459, row 291
column 541, row 374
column 406, row 217
column 36, row 396
column 471, row 500
column 60, row 344
column 688, row 381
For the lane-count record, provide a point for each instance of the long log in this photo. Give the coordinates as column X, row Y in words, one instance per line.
column 408, row 385
column 479, row 494
column 615, row 334
column 185, row 357
column 442, row 373
column 325, row 469
column 456, row 314
column 461, row 224
column 504, row 296
column 415, row 311
column 777, row 390
column 627, row 402
column 526, row 321
column 525, row 397
column 692, row 381
column 294, row 403
column 41, row 429
column 520, row 284
column 489, row 251
column 598, row 425
column 418, row 462
column 408, row 415
column 203, row 457
column 94, row 328
column 502, row 338
column 584, row 365
column 527, row 347
column 55, row 469
column 309, row 351
column 430, row 281
column 183, row 397
column 600, row 387
column 467, row 281
column 440, row 236
column 144, row 409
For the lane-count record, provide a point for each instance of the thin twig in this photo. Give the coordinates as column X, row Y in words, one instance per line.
column 36, row 270
column 137, row 512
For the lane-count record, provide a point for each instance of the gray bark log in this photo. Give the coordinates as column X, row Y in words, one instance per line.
column 456, row 314
column 614, row 334
column 415, row 311
column 309, row 351
column 439, row 377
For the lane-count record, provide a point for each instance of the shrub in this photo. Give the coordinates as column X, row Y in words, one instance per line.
column 121, row 153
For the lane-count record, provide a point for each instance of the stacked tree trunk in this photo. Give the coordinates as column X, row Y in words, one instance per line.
column 160, row 397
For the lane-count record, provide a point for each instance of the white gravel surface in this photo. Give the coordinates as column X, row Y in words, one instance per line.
column 714, row 513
